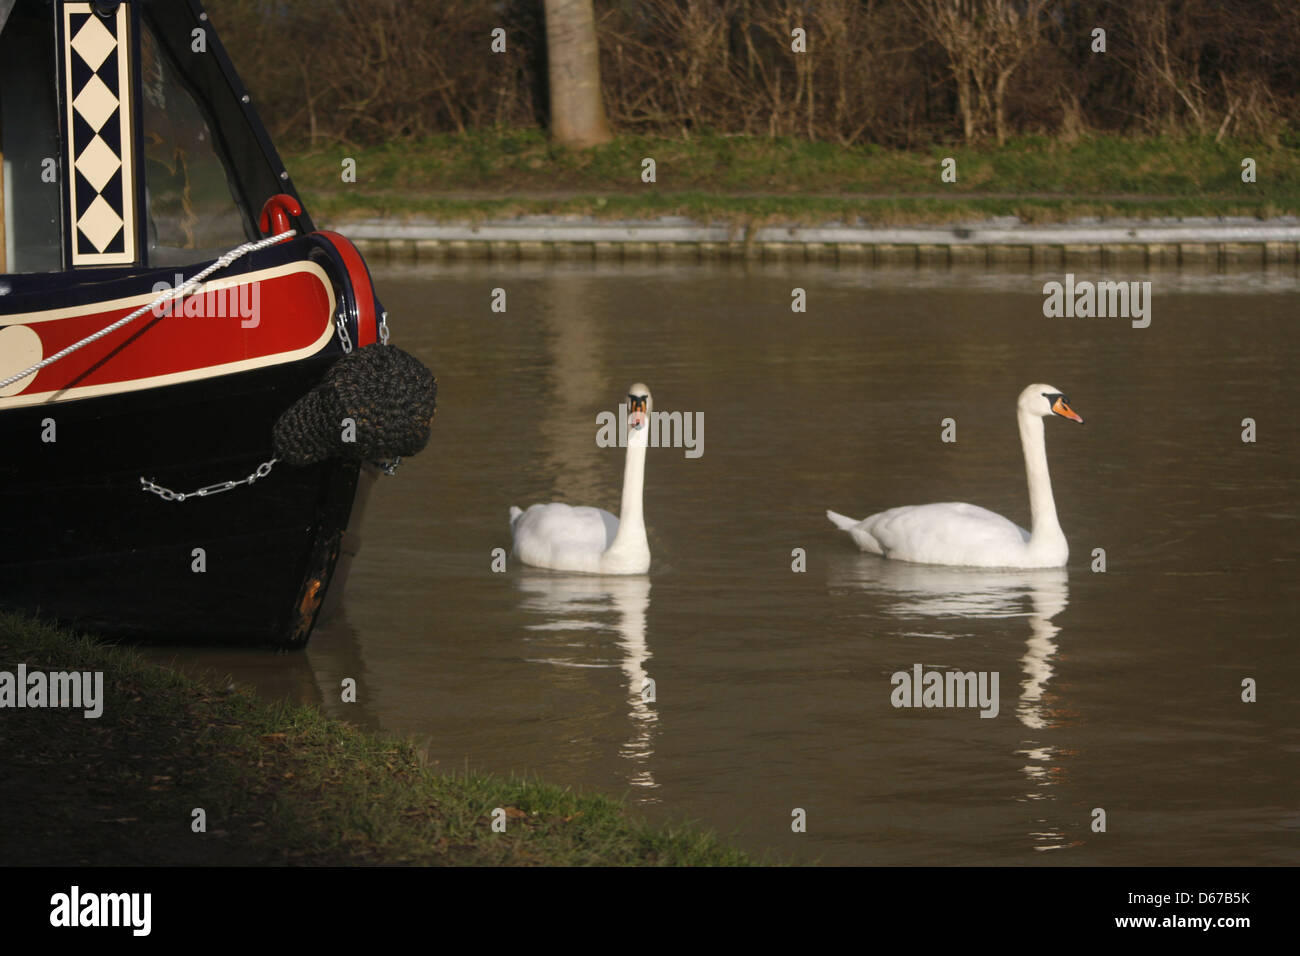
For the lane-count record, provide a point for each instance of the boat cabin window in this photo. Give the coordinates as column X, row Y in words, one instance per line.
column 31, row 238
column 193, row 212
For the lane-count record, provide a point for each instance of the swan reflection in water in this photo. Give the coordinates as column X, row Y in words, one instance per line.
column 570, row 603
column 931, row 593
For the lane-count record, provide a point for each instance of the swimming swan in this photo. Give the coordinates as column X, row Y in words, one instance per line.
column 565, row 538
column 961, row 534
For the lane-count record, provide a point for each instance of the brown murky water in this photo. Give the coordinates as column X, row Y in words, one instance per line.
column 1118, row 690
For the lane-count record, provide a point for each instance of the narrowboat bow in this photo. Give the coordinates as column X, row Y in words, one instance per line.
column 169, row 320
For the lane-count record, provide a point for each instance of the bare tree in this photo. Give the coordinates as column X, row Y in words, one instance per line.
column 985, row 40
column 577, row 111
column 1162, row 69
column 383, row 70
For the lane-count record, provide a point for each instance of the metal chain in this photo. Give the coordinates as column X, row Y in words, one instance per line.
column 167, row 494
column 344, row 338
column 389, row 467
column 180, row 291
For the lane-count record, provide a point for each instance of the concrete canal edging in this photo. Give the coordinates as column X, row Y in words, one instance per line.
column 1245, row 243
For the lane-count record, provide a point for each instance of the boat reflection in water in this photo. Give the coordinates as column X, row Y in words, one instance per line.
column 575, row 607
column 918, row 592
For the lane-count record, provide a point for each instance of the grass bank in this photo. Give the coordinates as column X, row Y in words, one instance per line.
column 711, row 177
column 279, row 783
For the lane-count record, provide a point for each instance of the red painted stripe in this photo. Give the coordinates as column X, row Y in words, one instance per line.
column 289, row 313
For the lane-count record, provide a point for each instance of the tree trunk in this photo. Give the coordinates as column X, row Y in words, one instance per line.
column 966, row 107
column 1000, row 107
column 577, row 112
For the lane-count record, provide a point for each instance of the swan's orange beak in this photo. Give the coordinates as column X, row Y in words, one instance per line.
column 1065, row 411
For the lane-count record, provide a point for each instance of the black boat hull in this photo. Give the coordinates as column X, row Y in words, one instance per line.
column 85, row 545
column 145, row 165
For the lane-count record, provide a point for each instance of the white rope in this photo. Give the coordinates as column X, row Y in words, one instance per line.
column 183, row 289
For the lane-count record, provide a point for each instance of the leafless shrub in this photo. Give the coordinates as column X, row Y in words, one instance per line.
column 875, row 71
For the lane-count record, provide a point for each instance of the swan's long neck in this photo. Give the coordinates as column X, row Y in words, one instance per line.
column 1042, row 506
column 631, row 521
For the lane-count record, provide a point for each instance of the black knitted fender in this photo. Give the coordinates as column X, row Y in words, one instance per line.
column 388, row 393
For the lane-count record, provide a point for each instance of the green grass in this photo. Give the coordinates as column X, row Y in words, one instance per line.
column 280, row 783
column 481, row 175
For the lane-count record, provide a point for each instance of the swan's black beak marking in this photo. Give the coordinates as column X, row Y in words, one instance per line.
column 638, row 415
column 1061, row 406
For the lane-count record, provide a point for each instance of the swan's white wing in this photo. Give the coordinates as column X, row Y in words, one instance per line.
column 946, row 533
column 563, row 537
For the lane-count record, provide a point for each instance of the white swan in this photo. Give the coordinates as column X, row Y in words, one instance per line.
column 565, row 538
column 961, row 534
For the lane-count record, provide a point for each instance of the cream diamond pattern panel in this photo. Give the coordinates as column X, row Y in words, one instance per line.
column 101, row 187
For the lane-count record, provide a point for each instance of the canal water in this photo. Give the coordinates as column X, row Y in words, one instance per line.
column 1120, row 690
